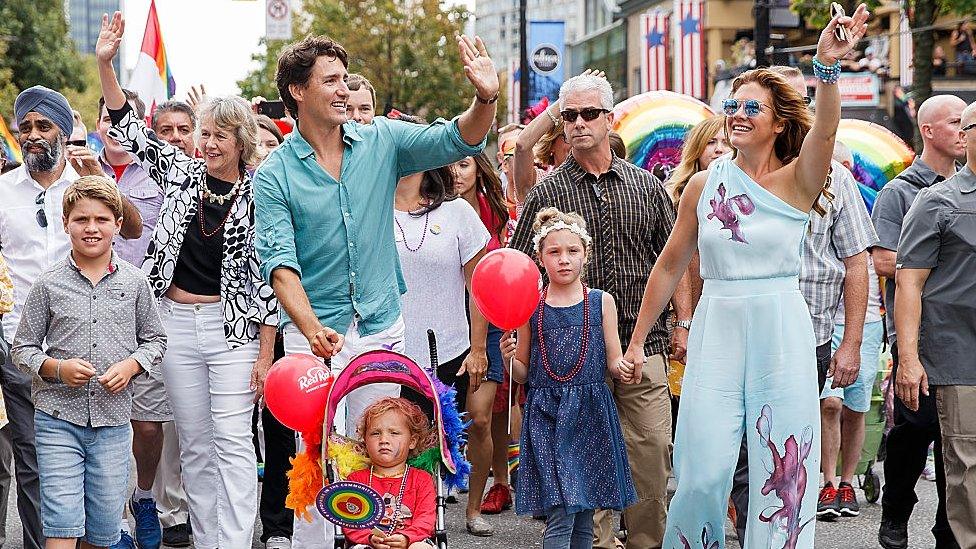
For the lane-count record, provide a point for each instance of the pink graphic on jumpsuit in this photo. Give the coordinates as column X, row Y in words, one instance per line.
column 723, row 211
column 788, row 480
column 707, row 541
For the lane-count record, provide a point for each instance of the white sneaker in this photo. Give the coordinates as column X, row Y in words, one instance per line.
column 278, row 542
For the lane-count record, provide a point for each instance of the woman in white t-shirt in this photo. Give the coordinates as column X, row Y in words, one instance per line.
column 439, row 241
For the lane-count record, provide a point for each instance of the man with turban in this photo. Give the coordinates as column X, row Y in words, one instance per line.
column 33, row 238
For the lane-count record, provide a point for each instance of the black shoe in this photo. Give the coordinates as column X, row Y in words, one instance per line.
column 177, row 536
column 828, row 506
column 847, row 500
column 893, row 534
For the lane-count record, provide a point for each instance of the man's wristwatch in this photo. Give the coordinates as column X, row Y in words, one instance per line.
column 686, row 324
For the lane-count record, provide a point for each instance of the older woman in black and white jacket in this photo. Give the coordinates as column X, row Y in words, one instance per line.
column 219, row 314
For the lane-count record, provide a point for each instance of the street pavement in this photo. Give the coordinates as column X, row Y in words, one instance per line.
column 513, row 532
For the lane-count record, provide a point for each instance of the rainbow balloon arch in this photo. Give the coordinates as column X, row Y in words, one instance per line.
column 653, row 126
column 879, row 155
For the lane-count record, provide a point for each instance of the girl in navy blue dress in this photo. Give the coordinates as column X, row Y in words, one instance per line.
column 573, row 456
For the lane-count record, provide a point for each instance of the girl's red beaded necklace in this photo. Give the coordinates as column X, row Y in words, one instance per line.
column 586, row 337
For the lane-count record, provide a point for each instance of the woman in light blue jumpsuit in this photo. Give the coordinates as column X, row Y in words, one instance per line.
column 751, row 352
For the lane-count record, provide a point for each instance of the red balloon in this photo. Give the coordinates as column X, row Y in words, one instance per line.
column 506, row 287
column 297, row 391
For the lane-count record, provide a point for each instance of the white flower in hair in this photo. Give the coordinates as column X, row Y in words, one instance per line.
column 559, row 226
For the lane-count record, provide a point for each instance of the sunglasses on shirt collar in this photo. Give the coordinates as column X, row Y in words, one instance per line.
column 570, row 115
column 40, row 216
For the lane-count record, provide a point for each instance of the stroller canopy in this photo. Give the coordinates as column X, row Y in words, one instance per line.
column 385, row 367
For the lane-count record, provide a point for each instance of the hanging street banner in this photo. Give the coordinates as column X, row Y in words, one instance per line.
column 546, row 51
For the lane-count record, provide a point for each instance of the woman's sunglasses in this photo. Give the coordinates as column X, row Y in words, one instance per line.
column 587, row 114
column 752, row 107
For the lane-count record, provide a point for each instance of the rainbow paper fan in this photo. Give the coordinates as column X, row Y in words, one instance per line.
column 653, row 125
column 879, row 155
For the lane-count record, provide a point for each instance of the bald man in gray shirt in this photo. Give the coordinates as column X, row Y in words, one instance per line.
column 914, row 430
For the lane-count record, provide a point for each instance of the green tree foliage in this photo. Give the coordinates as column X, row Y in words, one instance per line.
column 39, row 50
column 406, row 49
column 85, row 101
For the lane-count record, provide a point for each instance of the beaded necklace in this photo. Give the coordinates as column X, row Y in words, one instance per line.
column 403, row 235
column 399, row 498
column 586, row 337
column 203, row 230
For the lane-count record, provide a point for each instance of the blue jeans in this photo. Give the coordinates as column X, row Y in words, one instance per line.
column 84, row 475
column 568, row 530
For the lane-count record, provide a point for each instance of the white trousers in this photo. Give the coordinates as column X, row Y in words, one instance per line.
column 319, row 534
column 209, row 387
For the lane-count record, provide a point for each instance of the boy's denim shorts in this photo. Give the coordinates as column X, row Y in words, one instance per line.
column 84, row 474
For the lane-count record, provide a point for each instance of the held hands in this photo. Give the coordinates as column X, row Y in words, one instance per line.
column 117, row 377
column 635, row 357
column 626, row 372
column 830, row 48
column 911, row 378
column 76, row 372
column 478, row 67
column 325, row 343
column 110, row 37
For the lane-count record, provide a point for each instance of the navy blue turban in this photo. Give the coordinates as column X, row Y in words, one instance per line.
column 47, row 102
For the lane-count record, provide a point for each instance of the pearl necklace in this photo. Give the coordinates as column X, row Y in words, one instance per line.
column 586, row 337
column 215, row 198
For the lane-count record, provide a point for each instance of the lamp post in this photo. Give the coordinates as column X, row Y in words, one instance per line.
column 761, row 32
column 523, row 61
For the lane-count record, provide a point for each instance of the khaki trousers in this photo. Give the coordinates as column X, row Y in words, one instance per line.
column 957, row 421
column 645, row 417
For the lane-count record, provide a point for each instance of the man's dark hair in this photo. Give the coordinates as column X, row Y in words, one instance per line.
column 295, row 65
column 357, row 81
column 133, row 98
column 174, row 106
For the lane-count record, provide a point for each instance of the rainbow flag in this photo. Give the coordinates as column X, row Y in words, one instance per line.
column 10, row 145
column 152, row 78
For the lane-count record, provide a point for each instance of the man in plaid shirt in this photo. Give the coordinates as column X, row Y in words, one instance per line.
column 630, row 216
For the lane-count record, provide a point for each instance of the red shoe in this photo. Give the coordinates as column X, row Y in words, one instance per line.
column 498, row 499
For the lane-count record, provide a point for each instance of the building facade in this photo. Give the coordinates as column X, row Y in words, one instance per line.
column 496, row 22
column 85, row 22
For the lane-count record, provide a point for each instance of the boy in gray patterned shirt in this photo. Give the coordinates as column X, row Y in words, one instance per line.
column 89, row 325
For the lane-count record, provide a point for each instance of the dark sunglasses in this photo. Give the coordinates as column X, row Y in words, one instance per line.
column 40, row 216
column 570, row 115
column 78, row 143
column 752, row 107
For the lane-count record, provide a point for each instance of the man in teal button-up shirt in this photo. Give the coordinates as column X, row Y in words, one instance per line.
column 324, row 213
column 324, row 199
